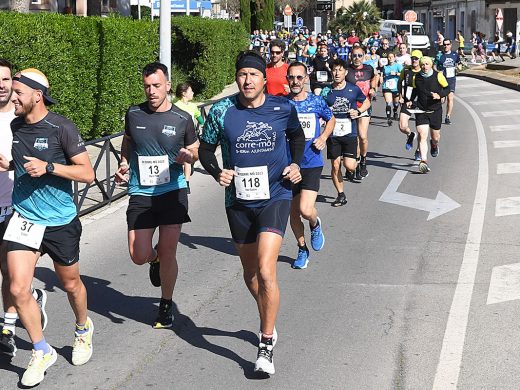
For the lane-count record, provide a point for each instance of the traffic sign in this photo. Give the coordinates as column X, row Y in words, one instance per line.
column 499, row 19
column 322, row 6
column 410, row 16
column 287, row 11
column 299, row 22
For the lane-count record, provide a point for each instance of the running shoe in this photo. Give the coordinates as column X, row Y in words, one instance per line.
column 349, row 176
column 302, row 260
column 39, row 363
column 417, row 155
column 7, row 344
column 264, row 361
column 317, row 237
column 155, row 271
column 363, row 171
column 358, row 172
column 409, row 141
column 341, row 200
column 396, row 116
column 164, row 317
column 41, row 300
column 434, row 149
column 389, row 121
column 374, row 98
column 82, row 348
column 423, row 167
column 447, row 120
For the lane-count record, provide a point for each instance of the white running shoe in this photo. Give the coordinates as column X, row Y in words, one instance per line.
column 82, row 348
column 39, row 363
column 264, row 361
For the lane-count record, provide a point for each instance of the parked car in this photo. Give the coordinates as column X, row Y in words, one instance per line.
column 416, row 36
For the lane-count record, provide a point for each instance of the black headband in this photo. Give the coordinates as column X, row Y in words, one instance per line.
column 251, row 61
column 35, row 85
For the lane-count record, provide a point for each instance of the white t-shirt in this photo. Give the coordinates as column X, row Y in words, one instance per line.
column 6, row 142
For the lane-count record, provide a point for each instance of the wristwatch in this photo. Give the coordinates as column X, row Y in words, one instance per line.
column 49, row 168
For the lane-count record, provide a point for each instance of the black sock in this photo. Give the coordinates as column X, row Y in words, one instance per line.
column 395, row 107
column 363, row 159
column 165, row 302
column 388, row 110
column 304, row 247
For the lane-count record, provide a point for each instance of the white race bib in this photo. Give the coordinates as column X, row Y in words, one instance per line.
column 321, row 76
column 450, row 73
column 252, row 183
column 408, row 93
column 383, row 61
column 308, row 122
column 343, row 127
column 24, row 232
column 391, row 84
column 154, row 170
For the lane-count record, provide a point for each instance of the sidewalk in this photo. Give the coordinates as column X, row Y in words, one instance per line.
column 505, row 74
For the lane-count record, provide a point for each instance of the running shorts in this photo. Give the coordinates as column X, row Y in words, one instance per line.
column 451, row 83
column 148, row 212
column 61, row 243
column 434, row 119
column 246, row 223
column 342, row 147
column 310, row 180
column 394, row 93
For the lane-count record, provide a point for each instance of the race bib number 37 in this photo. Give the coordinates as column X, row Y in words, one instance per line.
column 154, row 170
column 24, row 232
column 252, row 183
column 308, row 122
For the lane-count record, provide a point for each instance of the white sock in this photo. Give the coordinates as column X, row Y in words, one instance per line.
column 10, row 321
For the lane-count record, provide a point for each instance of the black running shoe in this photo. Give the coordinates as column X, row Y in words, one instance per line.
column 434, row 149
column 447, row 120
column 363, row 171
column 409, row 141
column 396, row 116
column 41, row 300
column 389, row 121
column 358, row 172
column 164, row 317
column 341, row 200
column 155, row 271
column 7, row 344
column 349, row 176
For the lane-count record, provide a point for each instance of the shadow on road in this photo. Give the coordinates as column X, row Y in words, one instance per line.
column 220, row 244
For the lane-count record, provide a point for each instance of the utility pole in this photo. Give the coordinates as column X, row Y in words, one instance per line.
column 165, row 35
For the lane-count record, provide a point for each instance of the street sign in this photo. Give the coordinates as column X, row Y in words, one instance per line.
column 499, row 19
column 287, row 11
column 299, row 22
column 410, row 16
column 322, row 6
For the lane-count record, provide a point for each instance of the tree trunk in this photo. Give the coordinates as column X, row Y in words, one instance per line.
column 94, row 7
column 20, row 6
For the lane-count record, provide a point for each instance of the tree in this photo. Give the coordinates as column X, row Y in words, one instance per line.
column 245, row 14
column 232, row 7
column 298, row 6
column 263, row 16
column 21, row 6
column 362, row 17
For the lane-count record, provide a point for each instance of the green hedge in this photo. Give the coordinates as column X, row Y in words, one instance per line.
column 66, row 49
column 94, row 64
column 205, row 50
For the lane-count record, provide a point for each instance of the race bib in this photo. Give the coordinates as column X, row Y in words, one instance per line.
column 343, row 127
column 408, row 93
column 450, row 73
column 154, row 170
column 391, row 84
column 308, row 122
column 383, row 61
column 321, row 76
column 24, row 232
column 252, row 183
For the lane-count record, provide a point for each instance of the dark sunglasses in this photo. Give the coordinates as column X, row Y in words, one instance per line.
column 276, row 52
column 357, row 55
column 415, row 58
column 292, row 77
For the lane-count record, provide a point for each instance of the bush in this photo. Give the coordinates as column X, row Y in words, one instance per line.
column 146, row 12
column 213, row 46
column 66, row 49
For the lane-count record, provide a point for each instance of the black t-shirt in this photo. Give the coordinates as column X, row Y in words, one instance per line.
column 323, row 65
column 361, row 77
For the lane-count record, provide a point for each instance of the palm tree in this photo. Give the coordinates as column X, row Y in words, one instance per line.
column 362, row 17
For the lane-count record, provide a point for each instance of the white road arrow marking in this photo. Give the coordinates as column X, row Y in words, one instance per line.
column 442, row 204
column 505, row 284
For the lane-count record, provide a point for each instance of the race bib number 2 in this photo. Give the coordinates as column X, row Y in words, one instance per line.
column 252, row 183
column 308, row 122
column 154, row 170
column 343, row 127
column 450, row 73
column 24, row 232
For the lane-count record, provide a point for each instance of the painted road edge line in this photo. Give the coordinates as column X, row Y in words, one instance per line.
column 448, row 368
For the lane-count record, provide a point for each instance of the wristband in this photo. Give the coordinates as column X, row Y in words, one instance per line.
column 11, row 165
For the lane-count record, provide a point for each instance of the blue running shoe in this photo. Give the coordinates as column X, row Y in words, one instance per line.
column 417, row 155
column 317, row 237
column 302, row 260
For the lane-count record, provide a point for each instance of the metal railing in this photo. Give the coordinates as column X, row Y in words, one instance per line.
column 104, row 190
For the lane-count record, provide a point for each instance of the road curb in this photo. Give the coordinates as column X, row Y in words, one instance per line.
column 504, row 80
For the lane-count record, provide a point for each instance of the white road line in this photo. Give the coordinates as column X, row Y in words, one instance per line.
column 448, row 368
column 505, row 168
column 491, row 102
column 505, row 284
column 514, row 126
column 480, row 93
column 514, row 143
column 491, row 114
column 507, row 206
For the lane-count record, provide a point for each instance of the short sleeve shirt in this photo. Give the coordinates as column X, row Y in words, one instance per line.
column 361, row 77
column 6, row 141
column 342, row 100
column 157, row 134
column 46, row 200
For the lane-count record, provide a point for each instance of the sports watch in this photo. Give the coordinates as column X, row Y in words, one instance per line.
column 49, row 168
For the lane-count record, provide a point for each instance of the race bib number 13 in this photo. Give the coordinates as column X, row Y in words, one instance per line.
column 252, row 183
column 154, row 170
column 24, row 232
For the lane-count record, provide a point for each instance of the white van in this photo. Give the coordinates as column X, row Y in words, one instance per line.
column 416, row 35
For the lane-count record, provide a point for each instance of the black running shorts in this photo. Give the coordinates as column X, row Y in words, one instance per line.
column 342, row 147
column 452, row 82
column 3, row 226
column 61, row 243
column 404, row 110
column 434, row 119
column 310, row 180
column 149, row 212
column 246, row 223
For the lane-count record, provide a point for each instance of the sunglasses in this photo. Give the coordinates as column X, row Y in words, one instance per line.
column 447, row 44
column 415, row 58
column 357, row 55
column 276, row 52
column 292, row 77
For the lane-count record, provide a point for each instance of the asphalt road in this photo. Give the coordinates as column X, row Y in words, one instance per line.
column 402, row 296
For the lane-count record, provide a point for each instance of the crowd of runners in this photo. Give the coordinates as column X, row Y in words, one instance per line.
column 272, row 135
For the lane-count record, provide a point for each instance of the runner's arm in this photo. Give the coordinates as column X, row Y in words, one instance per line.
column 209, row 160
